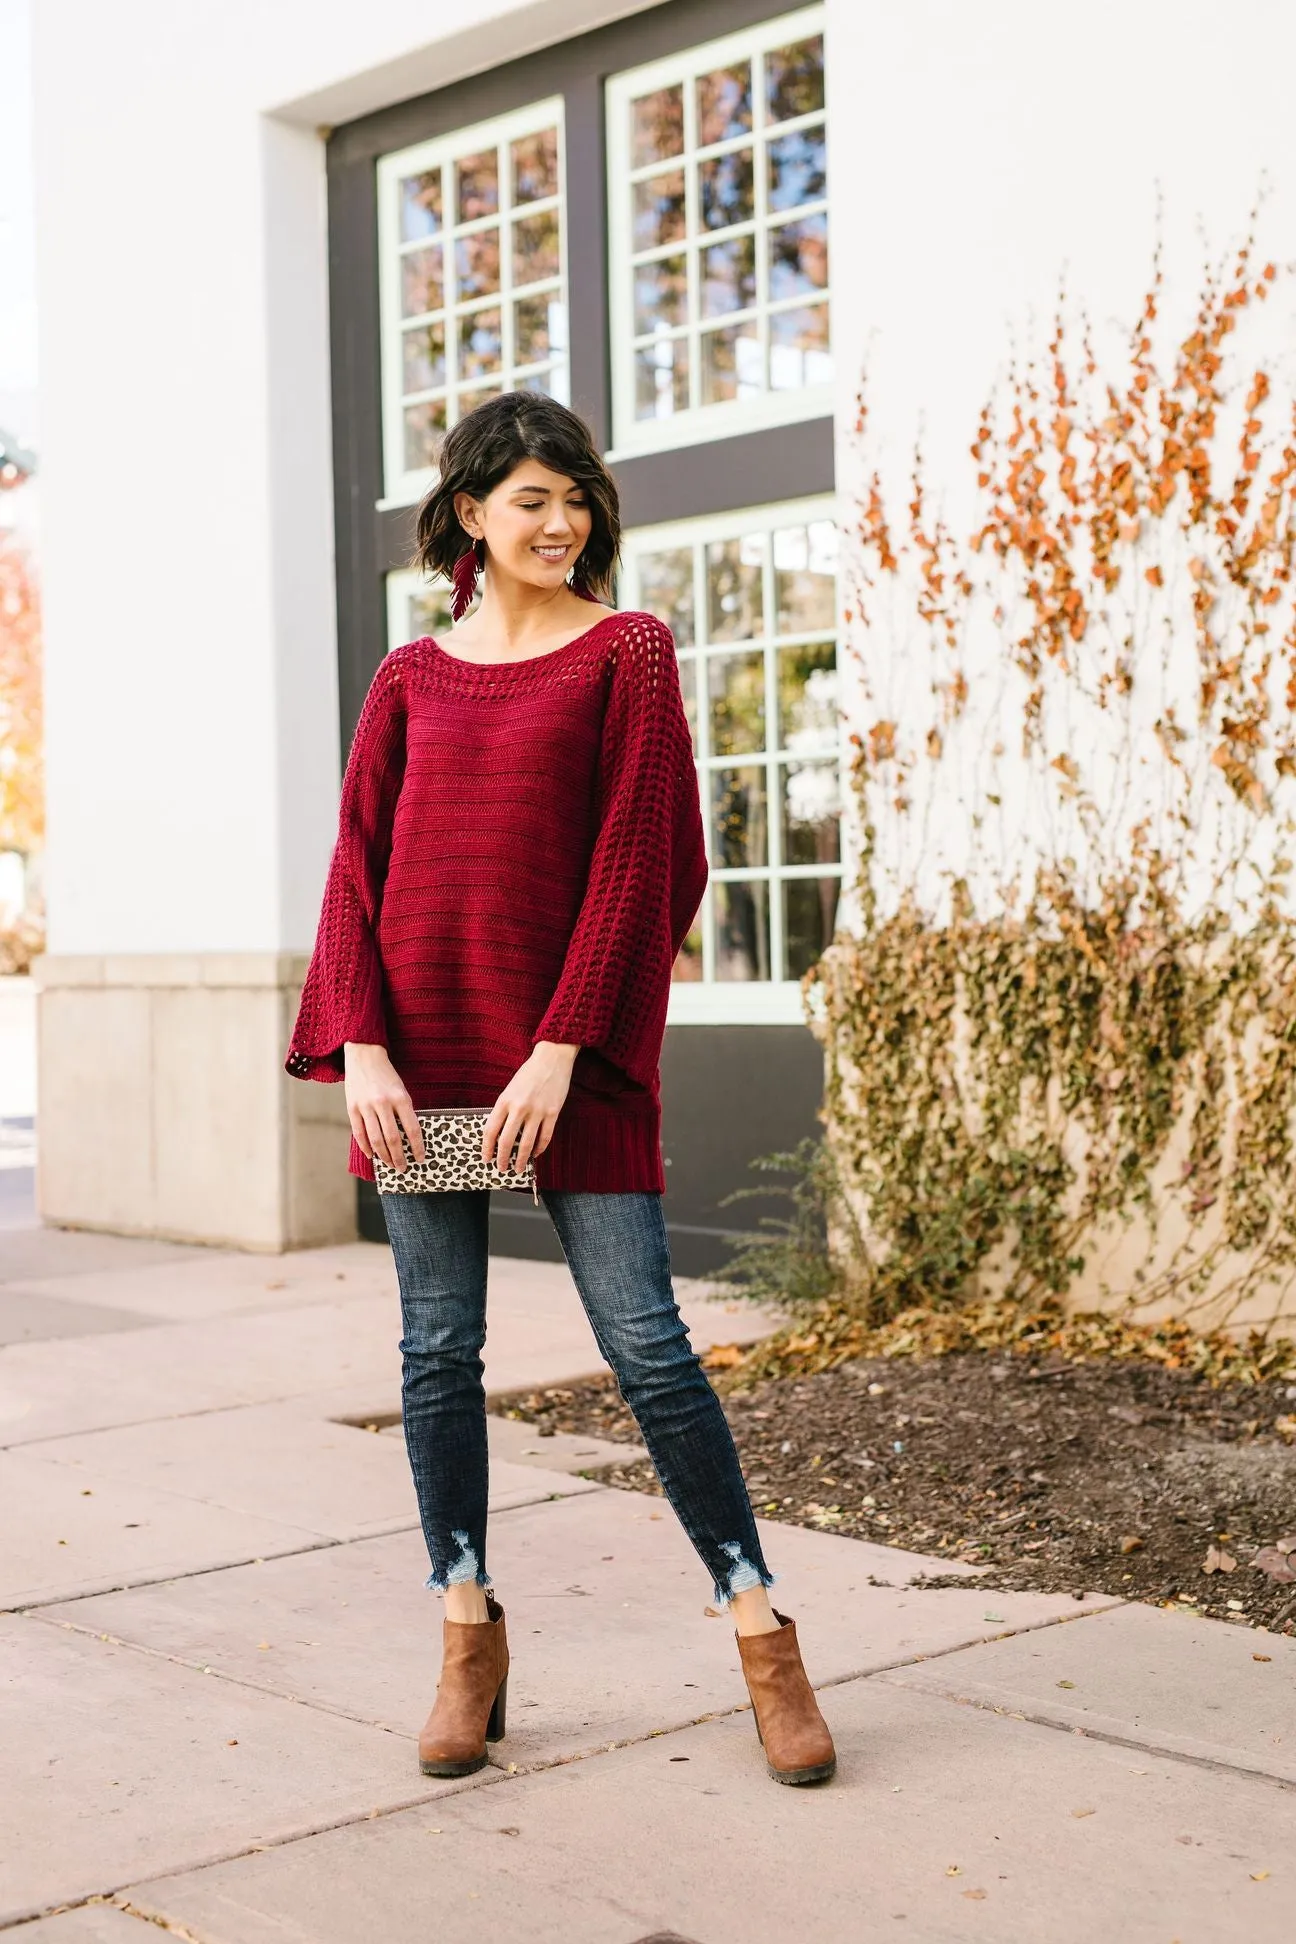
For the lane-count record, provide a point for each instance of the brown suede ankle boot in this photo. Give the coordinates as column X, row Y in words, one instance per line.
column 793, row 1733
column 471, row 1694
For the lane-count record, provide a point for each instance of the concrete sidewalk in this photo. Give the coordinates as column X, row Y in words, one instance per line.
column 218, row 1652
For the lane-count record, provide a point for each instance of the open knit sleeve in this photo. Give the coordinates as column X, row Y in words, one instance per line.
column 648, row 867
column 342, row 998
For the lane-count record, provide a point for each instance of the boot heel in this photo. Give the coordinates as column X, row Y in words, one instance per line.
column 495, row 1726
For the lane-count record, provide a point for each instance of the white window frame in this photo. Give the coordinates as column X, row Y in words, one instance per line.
column 401, row 584
column 734, row 1002
column 731, row 417
column 402, row 485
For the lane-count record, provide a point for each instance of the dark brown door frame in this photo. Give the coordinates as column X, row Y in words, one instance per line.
column 720, row 475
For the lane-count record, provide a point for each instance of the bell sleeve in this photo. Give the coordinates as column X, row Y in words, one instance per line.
column 648, row 868
column 342, row 998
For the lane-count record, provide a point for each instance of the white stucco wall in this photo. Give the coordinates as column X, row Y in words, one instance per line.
column 977, row 153
column 980, row 154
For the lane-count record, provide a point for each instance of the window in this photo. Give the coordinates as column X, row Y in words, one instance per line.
column 473, row 280
column 717, row 180
column 416, row 607
column 752, row 600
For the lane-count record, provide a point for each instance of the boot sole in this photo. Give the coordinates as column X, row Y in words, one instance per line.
column 453, row 1768
column 822, row 1772
column 818, row 1772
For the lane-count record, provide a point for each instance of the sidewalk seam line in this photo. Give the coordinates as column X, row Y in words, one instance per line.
column 483, row 1778
column 982, row 1640
column 585, row 1376
column 325, row 1544
column 1212, row 1763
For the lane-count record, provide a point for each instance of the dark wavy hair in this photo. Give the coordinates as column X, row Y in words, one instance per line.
column 485, row 446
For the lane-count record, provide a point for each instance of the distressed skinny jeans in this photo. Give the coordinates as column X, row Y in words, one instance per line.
column 617, row 1249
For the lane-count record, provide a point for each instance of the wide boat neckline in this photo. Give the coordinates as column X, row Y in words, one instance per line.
column 525, row 661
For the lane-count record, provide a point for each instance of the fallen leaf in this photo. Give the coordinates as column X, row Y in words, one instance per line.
column 232, row 1742
column 1218, row 1561
column 723, row 1356
column 1078, row 1813
column 1131, row 1543
column 953, row 1870
column 1287, row 1545
column 1277, row 1564
column 1262, row 1657
column 1258, row 1876
column 1286, row 1428
column 977, row 1896
column 1066, row 1684
column 992, row 1616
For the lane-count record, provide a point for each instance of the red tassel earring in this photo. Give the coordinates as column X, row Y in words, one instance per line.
column 465, row 581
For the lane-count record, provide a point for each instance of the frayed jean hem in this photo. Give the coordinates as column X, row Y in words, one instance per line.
column 742, row 1576
column 462, row 1571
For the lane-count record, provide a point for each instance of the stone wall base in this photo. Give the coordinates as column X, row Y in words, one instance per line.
column 164, row 1109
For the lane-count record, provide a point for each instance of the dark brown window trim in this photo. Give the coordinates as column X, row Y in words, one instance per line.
column 715, row 476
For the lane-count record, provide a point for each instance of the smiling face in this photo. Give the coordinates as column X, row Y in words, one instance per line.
column 534, row 523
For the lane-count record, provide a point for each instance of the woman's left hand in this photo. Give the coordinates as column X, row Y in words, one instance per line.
column 527, row 1111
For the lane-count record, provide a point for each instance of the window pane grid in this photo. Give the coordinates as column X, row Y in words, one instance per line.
column 761, row 694
column 702, row 231
column 472, row 232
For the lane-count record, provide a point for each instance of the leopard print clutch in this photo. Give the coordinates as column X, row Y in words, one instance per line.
column 452, row 1140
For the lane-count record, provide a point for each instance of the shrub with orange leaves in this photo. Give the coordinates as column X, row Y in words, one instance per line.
column 1060, row 1015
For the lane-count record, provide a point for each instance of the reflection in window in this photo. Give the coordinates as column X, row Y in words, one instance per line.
column 742, row 930
column 719, row 198
column 809, row 919
column 666, row 590
column 416, row 607
column 474, row 300
column 752, row 602
column 737, row 687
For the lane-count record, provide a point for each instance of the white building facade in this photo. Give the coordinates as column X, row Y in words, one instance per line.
column 278, row 255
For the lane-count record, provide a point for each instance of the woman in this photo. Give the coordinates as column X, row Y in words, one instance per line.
column 519, row 860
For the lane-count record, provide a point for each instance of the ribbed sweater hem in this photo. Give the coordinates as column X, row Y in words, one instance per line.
column 598, row 1147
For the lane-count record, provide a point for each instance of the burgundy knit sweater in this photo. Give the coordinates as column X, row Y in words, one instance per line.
column 519, row 858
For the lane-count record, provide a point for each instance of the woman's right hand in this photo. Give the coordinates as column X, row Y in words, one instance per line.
column 378, row 1106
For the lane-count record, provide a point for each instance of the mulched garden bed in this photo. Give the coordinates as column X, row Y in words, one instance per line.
column 1116, row 1477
